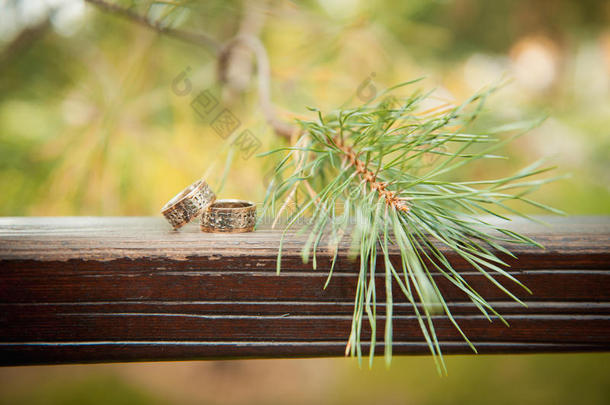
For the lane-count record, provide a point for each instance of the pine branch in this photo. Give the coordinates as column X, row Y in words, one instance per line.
column 377, row 174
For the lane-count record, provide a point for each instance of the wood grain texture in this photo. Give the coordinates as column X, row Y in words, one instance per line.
column 78, row 289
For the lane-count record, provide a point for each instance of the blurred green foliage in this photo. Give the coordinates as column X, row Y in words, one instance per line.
column 561, row 379
column 89, row 124
column 527, row 379
column 91, row 389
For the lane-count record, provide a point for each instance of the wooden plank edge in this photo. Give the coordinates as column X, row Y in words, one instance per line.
column 32, row 353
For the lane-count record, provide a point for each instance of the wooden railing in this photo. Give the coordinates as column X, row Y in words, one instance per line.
column 81, row 289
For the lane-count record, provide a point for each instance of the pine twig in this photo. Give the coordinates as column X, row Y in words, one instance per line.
column 398, row 140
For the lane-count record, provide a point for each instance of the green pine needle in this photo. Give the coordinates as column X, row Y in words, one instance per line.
column 379, row 175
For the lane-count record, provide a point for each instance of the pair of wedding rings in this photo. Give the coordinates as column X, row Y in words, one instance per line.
column 199, row 201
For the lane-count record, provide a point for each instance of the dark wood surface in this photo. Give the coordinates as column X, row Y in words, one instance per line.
column 80, row 289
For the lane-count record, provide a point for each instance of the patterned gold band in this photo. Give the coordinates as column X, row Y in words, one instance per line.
column 187, row 205
column 229, row 216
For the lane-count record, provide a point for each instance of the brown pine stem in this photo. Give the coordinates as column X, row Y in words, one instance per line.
column 391, row 197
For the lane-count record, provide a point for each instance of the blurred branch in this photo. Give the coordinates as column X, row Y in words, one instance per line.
column 246, row 37
column 25, row 38
column 235, row 64
column 196, row 38
column 280, row 127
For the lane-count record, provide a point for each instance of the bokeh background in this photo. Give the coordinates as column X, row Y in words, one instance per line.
column 96, row 119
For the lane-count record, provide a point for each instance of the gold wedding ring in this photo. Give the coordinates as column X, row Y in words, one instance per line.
column 187, row 205
column 229, row 216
